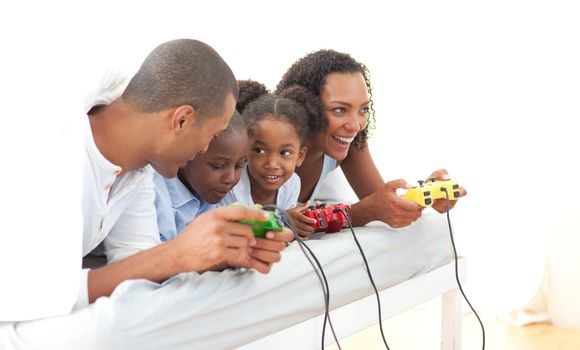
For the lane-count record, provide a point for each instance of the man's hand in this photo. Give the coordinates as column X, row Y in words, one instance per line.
column 216, row 238
column 267, row 250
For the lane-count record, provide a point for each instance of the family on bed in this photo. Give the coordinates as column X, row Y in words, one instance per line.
column 169, row 152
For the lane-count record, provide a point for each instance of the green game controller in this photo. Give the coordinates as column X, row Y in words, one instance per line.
column 428, row 191
column 274, row 223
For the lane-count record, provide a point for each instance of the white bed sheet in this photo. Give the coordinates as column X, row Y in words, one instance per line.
column 228, row 309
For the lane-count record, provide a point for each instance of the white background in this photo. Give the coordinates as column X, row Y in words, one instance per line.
column 488, row 90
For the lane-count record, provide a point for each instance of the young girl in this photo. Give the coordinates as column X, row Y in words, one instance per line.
column 202, row 182
column 277, row 131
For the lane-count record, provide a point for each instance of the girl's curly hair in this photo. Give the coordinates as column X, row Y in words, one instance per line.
column 255, row 103
column 310, row 73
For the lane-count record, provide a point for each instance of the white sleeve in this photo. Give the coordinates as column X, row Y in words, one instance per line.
column 236, row 195
column 83, row 297
column 136, row 230
column 290, row 191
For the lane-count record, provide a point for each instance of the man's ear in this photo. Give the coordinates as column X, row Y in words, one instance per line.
column 301, row 155
column 182, row 118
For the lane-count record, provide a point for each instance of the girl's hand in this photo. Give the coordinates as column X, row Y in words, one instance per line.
column 304, row 224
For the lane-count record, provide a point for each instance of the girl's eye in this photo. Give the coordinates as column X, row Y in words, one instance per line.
column 285, row 153
column 259, row 151
column 339, row 110
column 365, row 110
column 216, row 166
column 240, row 165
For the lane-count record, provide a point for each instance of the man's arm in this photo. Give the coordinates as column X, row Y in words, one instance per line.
column 211, row 239
column 153, row 264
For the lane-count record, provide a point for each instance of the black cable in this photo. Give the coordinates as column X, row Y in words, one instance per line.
column 321, row 275
column 456, row 272
column 370, row 277
column 327, row 297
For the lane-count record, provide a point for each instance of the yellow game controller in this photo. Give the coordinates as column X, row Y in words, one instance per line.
column 426, row 192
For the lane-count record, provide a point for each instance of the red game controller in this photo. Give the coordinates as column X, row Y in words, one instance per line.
column 329, row 217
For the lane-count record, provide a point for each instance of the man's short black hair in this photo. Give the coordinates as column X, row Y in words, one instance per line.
column 182, row 72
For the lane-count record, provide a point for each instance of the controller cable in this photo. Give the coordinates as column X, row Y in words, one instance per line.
column 320, row 274
column 368, row 272
column 456, row 272
column 455, row 264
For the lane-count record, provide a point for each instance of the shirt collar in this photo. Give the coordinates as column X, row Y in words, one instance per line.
column 180, row 194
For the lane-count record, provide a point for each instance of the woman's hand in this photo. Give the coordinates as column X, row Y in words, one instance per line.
column 440, row 205
column 387, row 206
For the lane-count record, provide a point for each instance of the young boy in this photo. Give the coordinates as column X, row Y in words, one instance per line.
column 202, row 182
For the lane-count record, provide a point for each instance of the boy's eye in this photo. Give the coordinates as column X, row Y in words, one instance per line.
column 216, row 166
column 285, row 153
column 259, row 151
column 241, row 164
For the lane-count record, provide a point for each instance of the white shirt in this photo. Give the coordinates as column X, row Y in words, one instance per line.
column 41, row 259
column 328, row 165
column 117, row 210
column 286, row 198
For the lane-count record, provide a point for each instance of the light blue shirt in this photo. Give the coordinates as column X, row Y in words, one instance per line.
column 176, row 206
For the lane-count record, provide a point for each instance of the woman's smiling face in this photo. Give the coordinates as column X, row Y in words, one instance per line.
column 346, row 103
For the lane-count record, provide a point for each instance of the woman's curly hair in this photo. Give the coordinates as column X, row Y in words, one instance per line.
column 255, row 103
column 310, row 72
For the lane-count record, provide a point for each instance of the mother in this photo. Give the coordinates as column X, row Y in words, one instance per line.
column 341, row 112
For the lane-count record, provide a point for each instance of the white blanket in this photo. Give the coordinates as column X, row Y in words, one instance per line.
column 224, row 310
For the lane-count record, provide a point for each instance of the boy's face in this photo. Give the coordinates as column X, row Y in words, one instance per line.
column 213, row 174
column 194, row 138
column 274, row 154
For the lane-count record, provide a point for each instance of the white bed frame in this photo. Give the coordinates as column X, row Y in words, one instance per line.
column 362, row 313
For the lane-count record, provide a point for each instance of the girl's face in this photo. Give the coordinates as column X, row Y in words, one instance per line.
column 273, row 155
column 346, row 102
column 213, row 174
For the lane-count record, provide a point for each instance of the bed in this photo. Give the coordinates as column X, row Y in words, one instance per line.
column 247, row 310
column 424, row 271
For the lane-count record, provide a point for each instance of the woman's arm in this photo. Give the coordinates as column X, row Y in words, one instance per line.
column 378, row 201
column 361, row 172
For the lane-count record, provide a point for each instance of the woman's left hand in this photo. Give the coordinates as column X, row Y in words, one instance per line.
column 440, row 205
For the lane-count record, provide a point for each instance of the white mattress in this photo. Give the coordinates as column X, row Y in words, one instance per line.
column 224, row 310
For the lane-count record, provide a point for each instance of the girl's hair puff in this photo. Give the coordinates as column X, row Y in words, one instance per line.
column 256, row 103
